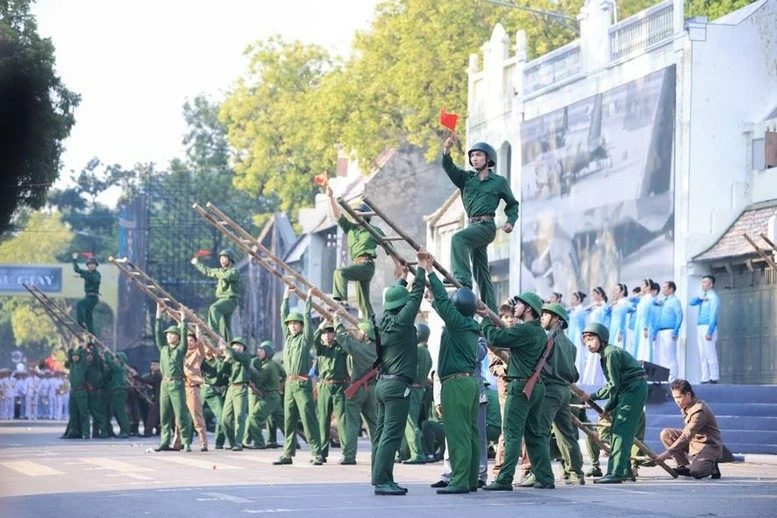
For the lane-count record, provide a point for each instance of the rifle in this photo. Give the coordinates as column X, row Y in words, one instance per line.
column 535, row 376
column 351, row 391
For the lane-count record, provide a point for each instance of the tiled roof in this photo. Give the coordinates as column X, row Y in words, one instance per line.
column 753, row 221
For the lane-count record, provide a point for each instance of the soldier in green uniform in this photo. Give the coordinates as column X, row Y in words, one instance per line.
column 268, row 383
column 96, row 376
column 117, row 387
column 359, row 345
column 522, row 417
column 172, row 393
column 460, row 391
column 298, row 334
column 85, row 307
column 413, row 434
column 481, row 191
column 398, row 357
column 233, row 415
column 363, row 249
column 212, row 390
column 227, row 292
column 556, row 414
column 626, row 391
column 275, row 421
column 78, row 404
column 333, row 380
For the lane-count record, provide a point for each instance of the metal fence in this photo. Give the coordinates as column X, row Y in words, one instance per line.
column 639, row 32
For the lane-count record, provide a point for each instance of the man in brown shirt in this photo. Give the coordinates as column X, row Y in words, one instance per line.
column 700, row 438
column 195, row 354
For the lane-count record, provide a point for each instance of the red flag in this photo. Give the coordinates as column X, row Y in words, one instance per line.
column 322, row 179
column 203, row 253
column 449, row 120
column 88, row 255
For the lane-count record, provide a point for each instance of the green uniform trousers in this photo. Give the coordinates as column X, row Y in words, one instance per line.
column 220, row 316
column 172, row 404
column 298, row 405
column 471, row 243
column 84, row 311
column 363, row 405
column 235, row 413
column 606, row 436
column 460, row 400
column 119, row 403
column 331, row 399
column 413, row 435
column 523, row 421
column 97, row 408
column 78, row 407
column 211, row 397
column 362, row 273
column 393, row 397
column 557, row 415
column 261, row 409
column 627, row 419
column 275, row 423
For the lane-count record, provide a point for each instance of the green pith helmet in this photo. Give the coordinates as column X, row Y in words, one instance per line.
column 227, row 252
column 93, row 261
column 532, row 300
column 485, row 148
column 121, row 356
column 558, row 310
column 465, row 301
column 367, row 327
column 294, row 316
column 423, row 332
column 328, row 325
column 395, row 297
column 268, row 347
column 599, row 330
column 173, row 329
column 239, row 340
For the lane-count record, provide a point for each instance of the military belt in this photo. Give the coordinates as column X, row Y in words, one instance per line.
column 417, row 385
column 399, row 377
column 298, row 378
column 92, row 294
column 455, row 375
column 478, row 219
column 331, row 381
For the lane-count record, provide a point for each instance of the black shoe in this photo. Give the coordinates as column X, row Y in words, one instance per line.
column 594, row 472
column 683, row 471
column 544, row 486
column 481, row 483
column 347, row 462
column 715, row 472
column 163, row 448
column 713, row 382
column 439, row 484
column 451, row 490
column 401, row 488
column 219, row 446
column 389, row 490
column 273, row 445
column 608, row 479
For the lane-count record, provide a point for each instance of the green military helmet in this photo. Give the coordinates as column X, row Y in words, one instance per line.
column 367, row 327
column 269, row 348
column 173, row 329
column 328, row 325
column 121, row 356
column 395, row 297
column 599, row 330
column 422, row 332
column 465, row 301
column 239, row 340
column 485, row 148
column 533, row 300
column 558, row 310
column 294, row 316
column 227, row 252
column 93, row 261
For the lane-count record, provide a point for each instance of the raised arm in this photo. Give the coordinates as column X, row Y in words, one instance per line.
column 285, row 310
column 442, row 304
column 76, row 268
column 308, row 330
column 160, row 336
column 408, row 313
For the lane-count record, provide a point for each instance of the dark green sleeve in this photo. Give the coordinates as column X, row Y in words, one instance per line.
column 511, row 204
column 457, row 176
column 78, row 270
column 511, row 338
column 345, row 224
column 204, row 269
column 160, row 336
column 442, row 304
column 408, row 313
column 243, row 357
column 308, row 332
column 284, row 314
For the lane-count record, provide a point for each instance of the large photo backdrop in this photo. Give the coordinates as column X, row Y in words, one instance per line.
column 597, row 188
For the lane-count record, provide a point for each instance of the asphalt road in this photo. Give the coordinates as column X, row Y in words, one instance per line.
column 43, row 476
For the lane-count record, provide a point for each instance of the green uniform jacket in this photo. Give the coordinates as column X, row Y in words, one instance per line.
column 238, row 365
column 170, row 358
column 211, row 372
column 77, row 375
column 229, row 282
column 91, row 279
column 620, row 368
column 118, row 374
column 361, row 355
column 493, row 411
column 360, row 241
column 525, row 341
column 96, row 371
column 424, row 365
column 459, row 341
column 331, row 359
column 482, row 198
column 269, row 379
column 399, row 342
column 560, row 368
column 296, row 349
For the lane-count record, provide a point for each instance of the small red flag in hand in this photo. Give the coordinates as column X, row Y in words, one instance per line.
column 322, row 179
column 88, row 255
column 203, row 253
column 449, row 120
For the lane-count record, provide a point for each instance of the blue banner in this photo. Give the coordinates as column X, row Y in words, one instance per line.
column 46, row 278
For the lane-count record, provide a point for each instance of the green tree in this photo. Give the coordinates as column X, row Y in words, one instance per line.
column 37, row 111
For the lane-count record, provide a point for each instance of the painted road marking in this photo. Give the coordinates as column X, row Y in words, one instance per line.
column 31, row 469
column 115, row 465
column 205, row 464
